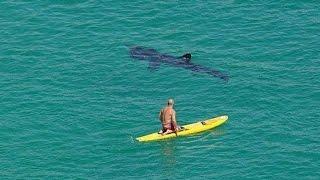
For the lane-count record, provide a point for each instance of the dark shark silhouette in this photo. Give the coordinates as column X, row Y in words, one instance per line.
column 155, row 59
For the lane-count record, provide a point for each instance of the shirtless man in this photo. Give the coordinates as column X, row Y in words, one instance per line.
column 167, row 117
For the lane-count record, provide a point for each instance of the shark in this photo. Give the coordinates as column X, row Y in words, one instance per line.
column 156, row 58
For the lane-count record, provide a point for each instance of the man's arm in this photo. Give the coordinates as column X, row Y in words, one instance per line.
column 174, row 121
column 160, row 115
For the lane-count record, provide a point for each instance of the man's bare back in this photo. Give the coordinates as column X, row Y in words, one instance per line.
column 167, row 117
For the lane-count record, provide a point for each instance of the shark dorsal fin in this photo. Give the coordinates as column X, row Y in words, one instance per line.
column 186, row 57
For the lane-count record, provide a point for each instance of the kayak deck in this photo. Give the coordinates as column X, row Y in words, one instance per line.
column 187, row 129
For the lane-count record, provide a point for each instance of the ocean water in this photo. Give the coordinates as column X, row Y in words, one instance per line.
column 72, row 101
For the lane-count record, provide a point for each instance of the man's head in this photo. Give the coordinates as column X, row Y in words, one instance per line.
column 170, row 102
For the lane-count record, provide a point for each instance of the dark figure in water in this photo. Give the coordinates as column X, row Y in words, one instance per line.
column 186, row 57
column 155, row 59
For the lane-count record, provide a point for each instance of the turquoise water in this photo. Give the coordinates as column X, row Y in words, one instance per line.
column 72, row 101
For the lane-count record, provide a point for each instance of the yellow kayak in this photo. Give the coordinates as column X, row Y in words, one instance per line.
column 187, row 129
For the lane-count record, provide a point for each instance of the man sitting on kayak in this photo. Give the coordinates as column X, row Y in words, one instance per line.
column 167, row 117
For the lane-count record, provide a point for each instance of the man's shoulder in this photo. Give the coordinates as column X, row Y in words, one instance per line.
column 171, row 110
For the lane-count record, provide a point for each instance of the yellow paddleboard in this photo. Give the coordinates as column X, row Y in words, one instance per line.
column 187, row 129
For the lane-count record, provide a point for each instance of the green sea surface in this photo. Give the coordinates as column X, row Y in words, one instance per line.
column 72, row 100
